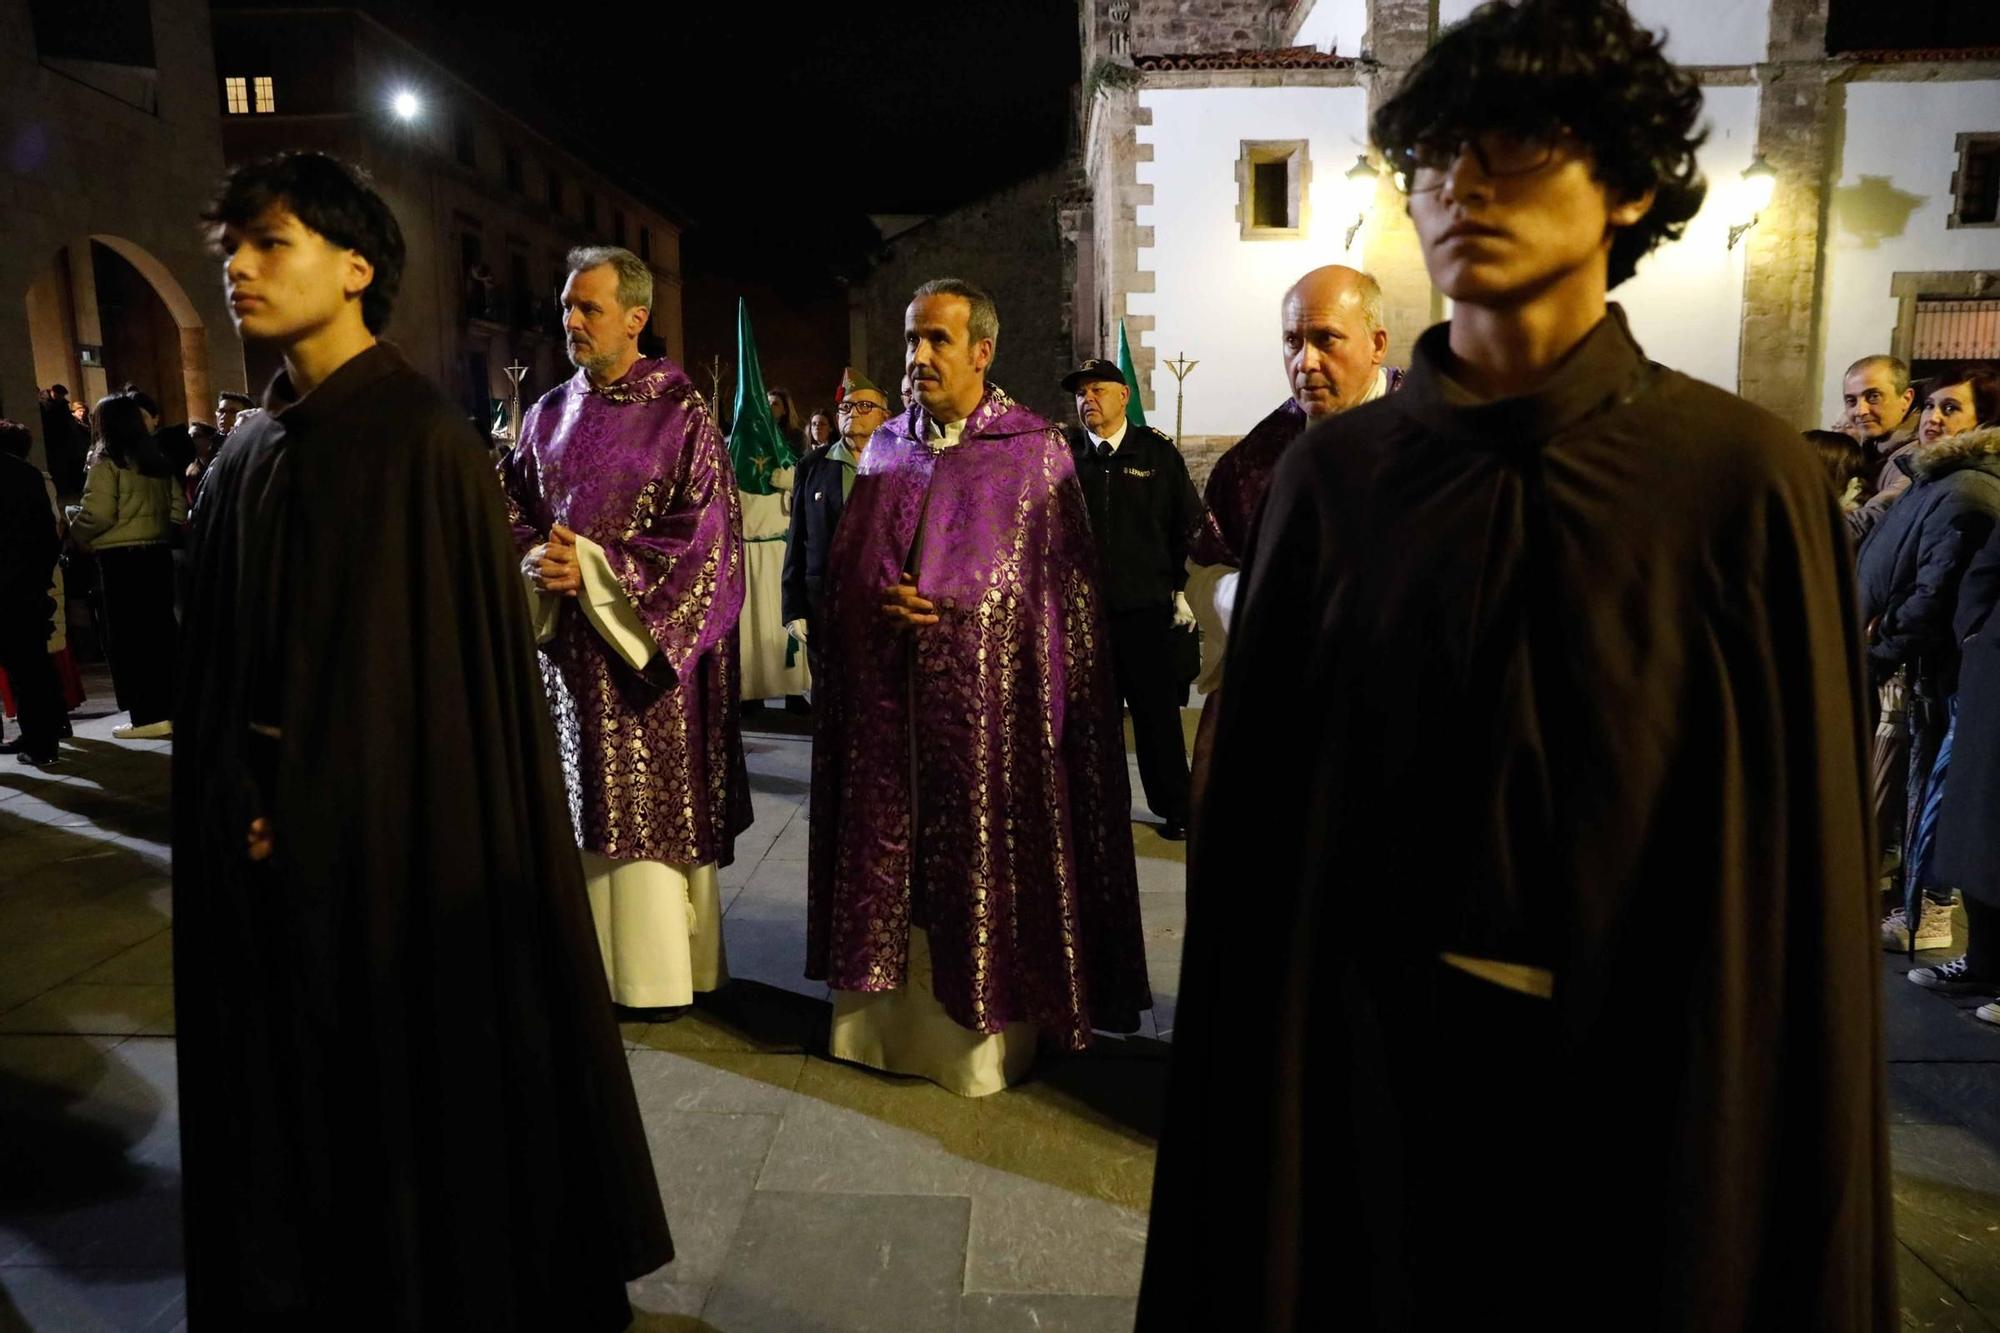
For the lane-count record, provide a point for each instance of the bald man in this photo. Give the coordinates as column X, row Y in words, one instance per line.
column 1334, row 343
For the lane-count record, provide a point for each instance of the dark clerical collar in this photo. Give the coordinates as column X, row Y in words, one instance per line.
column 1607, row 367
column 354, row 377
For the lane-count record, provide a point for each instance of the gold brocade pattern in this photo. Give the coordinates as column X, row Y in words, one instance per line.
column 962, row 777
column 652, row 757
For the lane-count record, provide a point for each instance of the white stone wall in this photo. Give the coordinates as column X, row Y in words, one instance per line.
column 1886, row 213
column 1335, row 26
column 1686, row 302
column 1699, row 32
column 1215, row 295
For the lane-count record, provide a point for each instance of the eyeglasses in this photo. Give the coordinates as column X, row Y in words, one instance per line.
column 1421, row 167
column 862, row 405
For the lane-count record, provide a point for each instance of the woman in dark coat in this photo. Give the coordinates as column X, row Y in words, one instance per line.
column 1909, row 569
column 1968, row 837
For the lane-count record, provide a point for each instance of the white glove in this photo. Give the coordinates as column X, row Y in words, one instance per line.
column 1225, row 596
column 797, row 629
column 1183, row 613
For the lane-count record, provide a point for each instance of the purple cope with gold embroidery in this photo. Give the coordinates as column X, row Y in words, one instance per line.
column 1015, row 849
column 653, row 758
column 1241, row 477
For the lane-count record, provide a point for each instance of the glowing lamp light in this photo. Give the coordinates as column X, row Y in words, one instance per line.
column 1759, row 181
column 1360, row 189
column 405, row 105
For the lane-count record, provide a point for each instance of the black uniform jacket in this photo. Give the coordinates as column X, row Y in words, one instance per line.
column 1143, row 513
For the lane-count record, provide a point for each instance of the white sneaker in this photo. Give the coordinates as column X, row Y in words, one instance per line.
column 1933, row 929
column 152, row 731
column 1988, row 1013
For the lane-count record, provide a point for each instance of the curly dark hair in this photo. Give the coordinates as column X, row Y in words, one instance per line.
column 334, row 199
column 1579, row 65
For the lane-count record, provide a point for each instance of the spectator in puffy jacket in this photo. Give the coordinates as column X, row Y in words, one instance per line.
column 1909, row 570
column 131, row 503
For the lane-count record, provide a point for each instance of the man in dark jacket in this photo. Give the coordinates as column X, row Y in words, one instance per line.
column 28, row 549
column 1143, row 511
column 819, row 494
column 65, row 441
column 1878, row 402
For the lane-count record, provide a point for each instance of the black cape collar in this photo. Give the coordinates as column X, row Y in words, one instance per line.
column 354, row 378
column 1606, row 368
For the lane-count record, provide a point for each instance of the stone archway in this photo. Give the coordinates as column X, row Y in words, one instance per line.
column 66, row 315
column 192, row 336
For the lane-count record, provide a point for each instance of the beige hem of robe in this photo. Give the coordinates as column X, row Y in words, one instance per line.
column 906, row 1031
column 659, row 925
column 761, row 640
column 659, row 929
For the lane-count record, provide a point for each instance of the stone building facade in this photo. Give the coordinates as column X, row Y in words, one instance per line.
column 1011, row 243
column 1878, row 236
column 489, row 204
column 111, row 150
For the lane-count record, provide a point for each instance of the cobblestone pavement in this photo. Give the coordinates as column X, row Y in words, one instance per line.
column 804, row 1194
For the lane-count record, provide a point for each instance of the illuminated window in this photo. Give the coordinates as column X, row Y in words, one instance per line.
column 237, row 91
column 1975, row 186
column 1272, row 185
column 267, row 96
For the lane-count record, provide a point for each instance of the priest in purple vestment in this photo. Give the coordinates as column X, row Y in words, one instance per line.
column 1334, row 343
column 623, row 501
column 971, row 879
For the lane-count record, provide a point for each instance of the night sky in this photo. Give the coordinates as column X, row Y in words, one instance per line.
column 777, row 127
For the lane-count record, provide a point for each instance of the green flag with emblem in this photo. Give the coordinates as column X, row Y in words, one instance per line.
column 1135, row 411
column 756, row 446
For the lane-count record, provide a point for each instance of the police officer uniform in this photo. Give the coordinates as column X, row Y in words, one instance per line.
column 1143, row 513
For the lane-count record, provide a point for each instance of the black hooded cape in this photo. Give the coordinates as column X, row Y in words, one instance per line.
column 404, row 1102
column 1570, row 682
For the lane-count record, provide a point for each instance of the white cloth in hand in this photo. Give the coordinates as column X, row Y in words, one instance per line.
column 1225, row 596
column 797, row 629
column 1183, row 613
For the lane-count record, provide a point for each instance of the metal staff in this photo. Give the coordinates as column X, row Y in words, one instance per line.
column 515, row 373
column 1180, row 365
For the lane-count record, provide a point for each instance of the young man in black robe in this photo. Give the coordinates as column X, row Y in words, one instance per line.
column 1562, row 644
column 404, row 1103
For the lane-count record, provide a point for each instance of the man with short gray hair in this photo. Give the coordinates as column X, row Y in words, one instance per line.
column 970, row 885
column 1876, row 399
column 625, row 508
column 1334, row 341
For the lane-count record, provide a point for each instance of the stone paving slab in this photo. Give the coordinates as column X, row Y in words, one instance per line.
column 121, row 1300
column 815, row 1263
column 1947, row 1192
column 706, row 1163
column 805, row 1194
column 987, row 1313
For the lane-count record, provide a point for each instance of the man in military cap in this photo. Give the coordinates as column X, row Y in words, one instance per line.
column 819, row 493
column 1143, row 513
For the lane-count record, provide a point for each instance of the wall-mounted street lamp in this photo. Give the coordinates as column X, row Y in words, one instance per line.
column 406, row 105
column 1360, row 190
column 1759, row 180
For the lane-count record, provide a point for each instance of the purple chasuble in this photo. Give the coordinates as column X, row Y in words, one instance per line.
column 1019, row 861
column 1235, row 490
column 653, row 758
